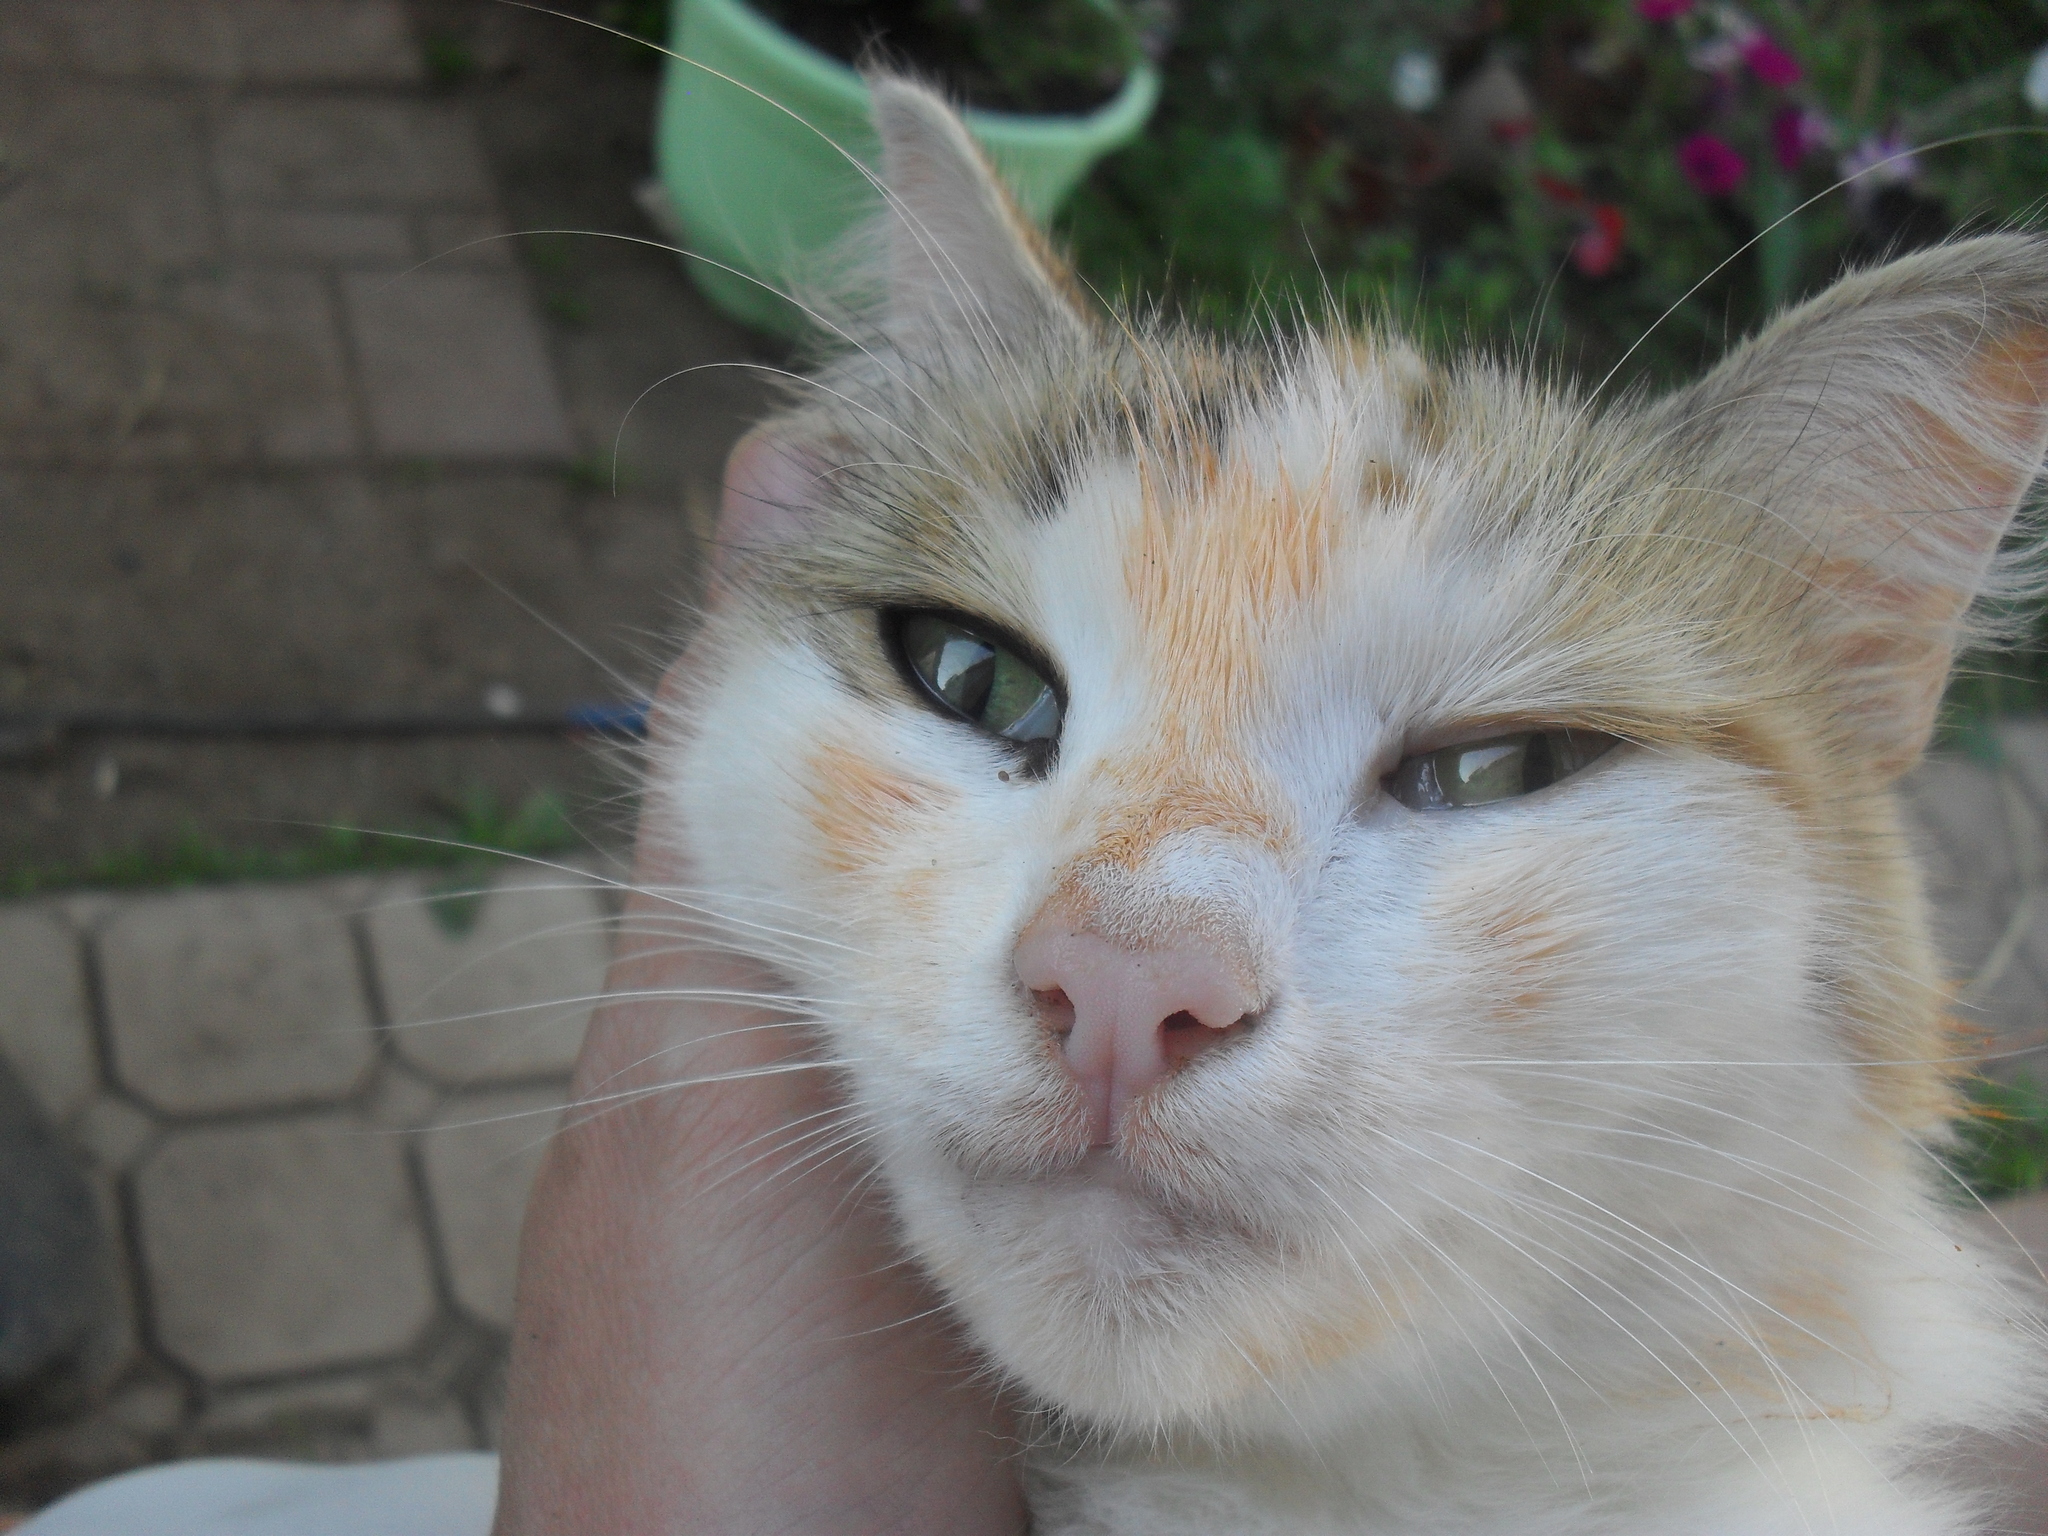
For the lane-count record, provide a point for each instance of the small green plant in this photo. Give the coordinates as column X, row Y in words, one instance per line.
column 472, row 833
column 448, row 59
column 646, row 20
column 1005, row 55
column 598, row 472
column 2002, row 1139
column 549, row 255
column 569, row 308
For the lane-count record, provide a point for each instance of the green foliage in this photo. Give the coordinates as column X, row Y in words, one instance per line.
column 569, row 308
column 1280, row 164
column 644, row 19
column 1031, row 46
column 1005, row 55
column 2002, row 1141
column 448, row 59
column 471, row 833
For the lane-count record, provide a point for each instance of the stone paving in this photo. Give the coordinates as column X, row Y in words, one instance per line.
column 312, row 1112
column 211, row 207
column 286, row 426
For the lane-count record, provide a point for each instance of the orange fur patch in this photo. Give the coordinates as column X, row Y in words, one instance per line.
column 1215, row 556
column 860, row 809
column 1157, row 796
column 1495, row 910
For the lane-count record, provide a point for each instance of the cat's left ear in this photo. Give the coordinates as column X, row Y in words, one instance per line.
column 772, row 490
column 1890, row 430
column 965, row 264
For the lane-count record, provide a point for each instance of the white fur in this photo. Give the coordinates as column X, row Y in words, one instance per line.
column 1553, row 1191
column 1570, row 1234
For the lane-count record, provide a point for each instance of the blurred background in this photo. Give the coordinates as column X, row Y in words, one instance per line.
column 358, row 431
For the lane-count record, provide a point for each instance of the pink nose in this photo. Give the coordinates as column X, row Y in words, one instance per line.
column 1129, row 1017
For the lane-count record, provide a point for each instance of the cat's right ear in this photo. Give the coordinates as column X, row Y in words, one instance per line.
column 1888, row 433
column 770, row 496
column 965, row 264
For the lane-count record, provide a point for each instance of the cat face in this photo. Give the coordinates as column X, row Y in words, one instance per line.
column 1310, row 861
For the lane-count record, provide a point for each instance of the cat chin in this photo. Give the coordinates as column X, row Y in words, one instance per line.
column 1125, row 1311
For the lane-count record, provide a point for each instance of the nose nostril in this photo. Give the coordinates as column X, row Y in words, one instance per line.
column 1182, row 1036
column 1055, row 1009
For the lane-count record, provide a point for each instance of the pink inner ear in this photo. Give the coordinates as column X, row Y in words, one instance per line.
column 770, row 494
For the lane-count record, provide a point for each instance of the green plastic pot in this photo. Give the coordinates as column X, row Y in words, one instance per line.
column 765, row 191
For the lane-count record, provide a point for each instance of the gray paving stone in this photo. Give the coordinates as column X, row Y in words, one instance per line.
column 367, row 42
column 147, row 1408
column 2012, row 1009
column 508, row 997
column 1967, row 927
column 465, row 240
column 420, row 1429
column 104, row 186
column 2025, row 745
column 1963, row 805
column 455, row 367
column 219, row 368
column 217, row 41
column 72, row 1453
column 45, row 1028
column 234, row 999
column 282, row 1247
column 401, row 1100
column 481, row 1157
column 116, row 1345
column 255, row 1410
column 319, row 234
column 2015, row 1226
column 113, row 1132
column 273, row 334
column 309, row 152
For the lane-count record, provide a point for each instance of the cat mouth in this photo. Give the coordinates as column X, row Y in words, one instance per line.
column 1107, row 1196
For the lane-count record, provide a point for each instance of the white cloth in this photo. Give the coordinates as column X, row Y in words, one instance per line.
column 450, row 1495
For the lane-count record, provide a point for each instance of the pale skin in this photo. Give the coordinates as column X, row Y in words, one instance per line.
column 702, row 1350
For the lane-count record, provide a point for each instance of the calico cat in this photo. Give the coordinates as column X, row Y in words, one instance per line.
column 1361, row 898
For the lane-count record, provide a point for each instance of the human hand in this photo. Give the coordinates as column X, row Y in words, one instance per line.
column 715, row 1331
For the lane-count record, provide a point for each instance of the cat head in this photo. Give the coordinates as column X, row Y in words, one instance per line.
column 1286, row 837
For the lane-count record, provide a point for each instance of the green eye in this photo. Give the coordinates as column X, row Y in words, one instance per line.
column 1499, row 768
column 979, row 679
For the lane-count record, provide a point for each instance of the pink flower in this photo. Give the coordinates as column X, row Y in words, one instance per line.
column 1662, row 10
column 1768, row 62
column 1598, row 249
column 1711, row 164
column 1797, row 132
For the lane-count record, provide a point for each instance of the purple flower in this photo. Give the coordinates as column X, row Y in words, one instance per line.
column 1797, row 132
column 1711, row 164
column 1662, row 10
column 1768, row 62
column 1881, row 160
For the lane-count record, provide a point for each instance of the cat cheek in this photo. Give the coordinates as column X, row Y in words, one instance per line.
column 863, row 813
